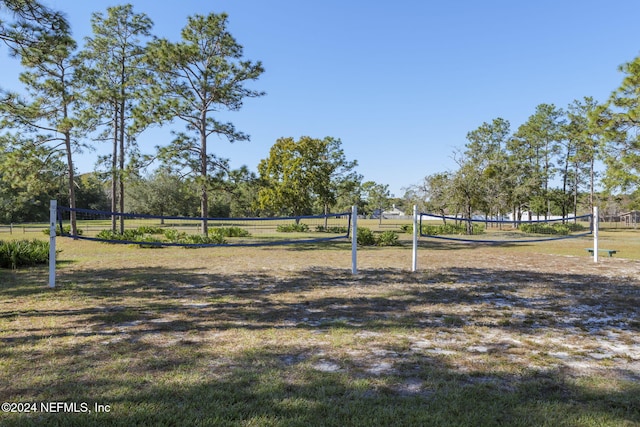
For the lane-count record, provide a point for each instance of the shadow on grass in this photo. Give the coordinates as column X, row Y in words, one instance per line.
column 132, row 339
column 164, row 299
column 271, row 387
column 24, row 281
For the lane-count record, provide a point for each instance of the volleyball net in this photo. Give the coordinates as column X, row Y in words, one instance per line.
column 155, row 231
column 160, row 230
column 503, row 230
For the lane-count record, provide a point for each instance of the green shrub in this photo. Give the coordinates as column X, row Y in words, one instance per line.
column 451, row 229
column 387, row 238
column 478, row 229
column 23, row 253
column 561, row 229
column 230, row 232
column 536, row 228
column 334, row 230
column 406, row 228
column 366, row 237
column 131, row 235
column 292, row 228
column 168, row 236
column 109, row 235
column 574, row 226
column 199, row 239
column 137, row 235
column 174, row 236
column 217, row 239
column 147, row 229
column 66, row 229
column 554, row 229
column 149, row 242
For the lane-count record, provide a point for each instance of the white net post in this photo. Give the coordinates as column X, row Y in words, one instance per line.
column 354, row 240
column 53, row 214
column 414, row 256
column 596, row 220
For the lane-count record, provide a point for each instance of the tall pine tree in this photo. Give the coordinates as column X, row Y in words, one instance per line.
column 115, row 79
column 199, row 76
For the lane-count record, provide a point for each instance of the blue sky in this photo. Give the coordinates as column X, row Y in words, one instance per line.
column 400, row 83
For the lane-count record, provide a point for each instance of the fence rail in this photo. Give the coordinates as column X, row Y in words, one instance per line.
column 22, row 229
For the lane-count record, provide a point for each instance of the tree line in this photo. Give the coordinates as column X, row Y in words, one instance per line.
column 545, row 167
column 549, row 164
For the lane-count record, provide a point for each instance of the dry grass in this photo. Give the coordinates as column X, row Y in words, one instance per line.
column 287, row 336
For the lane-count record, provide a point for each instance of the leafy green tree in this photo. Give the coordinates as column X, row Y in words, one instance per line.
column 114, row 76
column 486, row 151
column 415, row 194
column 522, row 181
column 162, row 193
column 431, row 195
column 466, row 196
column 375, row 196
column 90, row 192
column 285, row 188
column 242, row 188
column 348, row 193
column 44, row 116
column 30, row 175
column 297, row 173
column 167, row 192
column 197, row 77
column 437, row 188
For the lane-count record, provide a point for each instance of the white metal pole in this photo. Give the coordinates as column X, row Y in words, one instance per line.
column 354, row 240
column 596, row 220
column 414, row 257
column 53, row 214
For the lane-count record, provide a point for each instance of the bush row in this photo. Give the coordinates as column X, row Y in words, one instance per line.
column 65, row 230
column 292, row 228
column 533, row 228
column 444, row 229
column 554, row 229
column 335, row 230
column 23, row 253
column 148, row 237
column 230, row 232
column 217, row 235
column 304, row 228
column 366, row 237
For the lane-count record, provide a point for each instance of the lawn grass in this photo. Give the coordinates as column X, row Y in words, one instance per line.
column 516, row 335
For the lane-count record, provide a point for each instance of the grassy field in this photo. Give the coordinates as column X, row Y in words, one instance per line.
column 517, row 335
